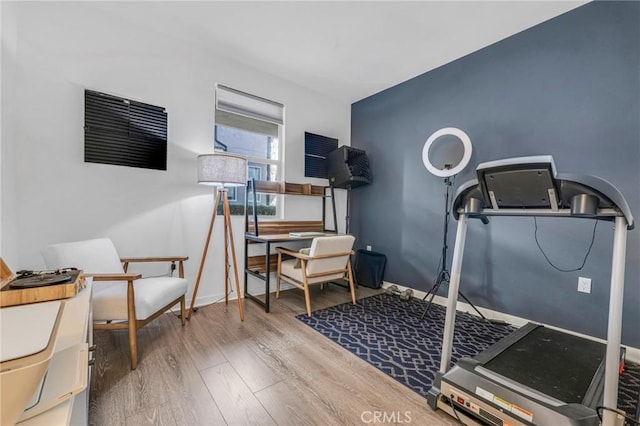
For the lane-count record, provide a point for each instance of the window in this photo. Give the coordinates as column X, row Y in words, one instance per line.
column 232, row 193
column 250, row 126
column 255, row 172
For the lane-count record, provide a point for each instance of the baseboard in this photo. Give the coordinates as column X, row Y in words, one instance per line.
column 632, row 354
column 217, row 298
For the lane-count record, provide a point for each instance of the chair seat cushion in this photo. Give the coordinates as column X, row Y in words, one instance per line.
column 151, row 294
column 289, row 269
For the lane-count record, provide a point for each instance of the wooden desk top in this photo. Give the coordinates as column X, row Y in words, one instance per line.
column 279, row 238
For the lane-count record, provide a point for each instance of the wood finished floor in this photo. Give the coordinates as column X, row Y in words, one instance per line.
column 270, row 369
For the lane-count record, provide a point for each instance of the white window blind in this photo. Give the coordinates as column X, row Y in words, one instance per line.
column 228, row 119
column 236, row 102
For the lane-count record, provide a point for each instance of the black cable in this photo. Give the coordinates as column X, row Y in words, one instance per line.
column 212, row 303
column 448, row 209
column 584, row 261
column 157, row 276
column 600, row 408
column 453, row 408
column 441, row 268
column 227, row 293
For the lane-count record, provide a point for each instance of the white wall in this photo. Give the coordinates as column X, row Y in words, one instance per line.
column 63, row 48
column 7, row 123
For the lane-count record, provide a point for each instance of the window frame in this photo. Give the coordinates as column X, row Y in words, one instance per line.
column 278, row 163
column 258, row 195
column 232, row 193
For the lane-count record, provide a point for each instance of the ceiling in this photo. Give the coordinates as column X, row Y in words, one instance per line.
column 346, row 50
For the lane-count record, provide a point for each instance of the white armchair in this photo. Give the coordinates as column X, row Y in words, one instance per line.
column 329, row 259
column 120, row 300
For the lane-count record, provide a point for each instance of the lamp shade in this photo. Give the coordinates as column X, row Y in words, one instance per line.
column 222, row 169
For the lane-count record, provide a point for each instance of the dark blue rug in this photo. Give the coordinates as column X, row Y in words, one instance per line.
column 389, row 334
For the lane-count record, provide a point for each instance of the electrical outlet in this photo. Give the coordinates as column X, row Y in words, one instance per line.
column 368, row 248
column 584, row 285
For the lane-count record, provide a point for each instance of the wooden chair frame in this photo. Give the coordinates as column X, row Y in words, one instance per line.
column 304, row 284
column 133, row 324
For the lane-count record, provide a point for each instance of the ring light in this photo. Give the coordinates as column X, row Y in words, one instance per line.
column 466, row 155
column 446, row 172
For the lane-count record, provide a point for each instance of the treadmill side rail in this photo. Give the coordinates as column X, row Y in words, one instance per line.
column 434, row 392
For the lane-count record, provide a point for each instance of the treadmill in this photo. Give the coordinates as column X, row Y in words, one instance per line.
column 536, row 375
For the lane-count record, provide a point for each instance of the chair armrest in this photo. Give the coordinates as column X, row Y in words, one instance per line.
column 172, row 259
column 114, row 277
column 292, row 253
column 155, row 259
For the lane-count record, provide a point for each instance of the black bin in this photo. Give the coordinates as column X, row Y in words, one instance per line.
column 369, row 268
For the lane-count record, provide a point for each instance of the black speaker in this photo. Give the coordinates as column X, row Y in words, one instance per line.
column 348, row 167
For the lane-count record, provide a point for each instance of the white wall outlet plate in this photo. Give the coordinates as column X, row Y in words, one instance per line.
column 584, row 285
column 368, row 248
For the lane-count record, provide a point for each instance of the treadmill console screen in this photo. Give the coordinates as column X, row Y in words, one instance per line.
column 519, row 185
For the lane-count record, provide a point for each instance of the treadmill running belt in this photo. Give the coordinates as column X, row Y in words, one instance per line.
column 557, row 364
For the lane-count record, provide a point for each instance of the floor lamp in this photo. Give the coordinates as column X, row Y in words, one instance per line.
column 221, row 170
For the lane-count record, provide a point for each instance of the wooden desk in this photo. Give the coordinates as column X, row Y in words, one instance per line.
column 256, row 269
column 269, row 232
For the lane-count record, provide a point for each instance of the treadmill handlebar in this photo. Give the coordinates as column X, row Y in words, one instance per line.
column 519, row 187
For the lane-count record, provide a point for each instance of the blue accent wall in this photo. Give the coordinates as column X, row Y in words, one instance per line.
column 569, row 87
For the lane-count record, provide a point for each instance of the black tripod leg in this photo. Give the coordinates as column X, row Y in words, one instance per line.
column 442, row 276
column 433, row 290
column 426, row 311
column 432, row 293
column 472, row 305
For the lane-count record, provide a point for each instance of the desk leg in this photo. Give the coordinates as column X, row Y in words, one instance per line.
column 246, row 260
column 267, row 278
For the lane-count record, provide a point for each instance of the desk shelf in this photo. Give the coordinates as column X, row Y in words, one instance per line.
column 270, row 232
column 257, row 264
column 288, row 188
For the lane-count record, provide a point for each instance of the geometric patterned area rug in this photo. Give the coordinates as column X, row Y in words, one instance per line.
column 389, row 334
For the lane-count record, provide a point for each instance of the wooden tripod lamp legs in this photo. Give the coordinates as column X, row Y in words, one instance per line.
column 228, row 230
column 228, row 238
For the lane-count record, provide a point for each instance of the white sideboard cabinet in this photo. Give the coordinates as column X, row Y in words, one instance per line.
column 74, row 340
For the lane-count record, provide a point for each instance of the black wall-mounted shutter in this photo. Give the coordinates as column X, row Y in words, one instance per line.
column 316, row 148
column 123, row 132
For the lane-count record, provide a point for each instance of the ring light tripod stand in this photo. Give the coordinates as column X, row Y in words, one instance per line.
column 447, row 173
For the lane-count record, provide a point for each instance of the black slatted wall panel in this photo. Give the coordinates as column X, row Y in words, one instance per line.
column 123, row 132
column 316, row 148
